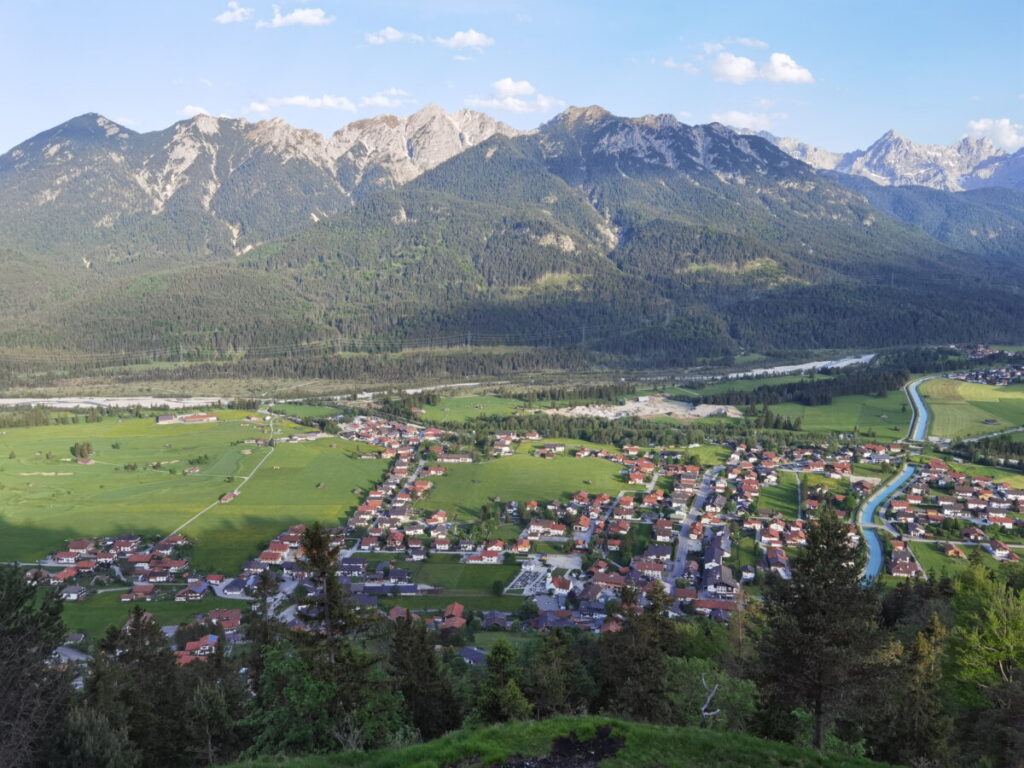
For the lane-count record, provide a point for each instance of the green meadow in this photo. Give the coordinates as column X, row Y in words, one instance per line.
column 93, row 616
column 304, row 411
column 47, row 498
column 467, row 487
column 458, row 578
column 286, row 491
column 459, row 409
column 780, row 498
column 960, row 408
column 885, row 417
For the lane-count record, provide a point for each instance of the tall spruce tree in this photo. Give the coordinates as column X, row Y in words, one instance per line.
column 32, row 692
column 428, row 694
column 819, row 642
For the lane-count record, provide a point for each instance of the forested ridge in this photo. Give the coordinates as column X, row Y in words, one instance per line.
column 596, row 241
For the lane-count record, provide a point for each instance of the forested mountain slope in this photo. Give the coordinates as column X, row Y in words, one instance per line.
column 639, row 241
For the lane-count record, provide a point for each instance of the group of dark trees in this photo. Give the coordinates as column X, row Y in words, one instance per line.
column 930, row 674
column 991, row 450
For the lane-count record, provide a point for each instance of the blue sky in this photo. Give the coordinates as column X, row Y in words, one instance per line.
column 837, row 73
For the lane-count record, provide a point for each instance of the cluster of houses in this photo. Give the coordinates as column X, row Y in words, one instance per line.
column 186, row 418
column 145, row 565
column 997, row 377
column 978, row 505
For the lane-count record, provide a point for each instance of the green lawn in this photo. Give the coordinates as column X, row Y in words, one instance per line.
column 45, row 501
column 305, row 411
column 459, row 409
column 780, row 498
column 960, row 408
column 522, row 478
column 446, row 571
column 274, row 499
column 744, row 552
column 884, row 417
column 101, row 611
column 934, row 560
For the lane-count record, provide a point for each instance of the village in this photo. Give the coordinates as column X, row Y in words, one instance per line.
column 704, row 535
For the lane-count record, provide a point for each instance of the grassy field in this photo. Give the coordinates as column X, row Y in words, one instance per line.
column 459, row 409
column 101, row 611
column 522, row 478
column 1001, row 474
column 47, row 498
column 884, row 417
column 934, row 561
column 304, row 411
column 961, row 408
column 446, row 571
column 780, row 498
column 229, row 534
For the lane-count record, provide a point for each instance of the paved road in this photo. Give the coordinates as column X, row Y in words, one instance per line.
column 683, row 537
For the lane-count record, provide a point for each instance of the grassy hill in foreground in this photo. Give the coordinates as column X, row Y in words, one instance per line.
column 582, row 742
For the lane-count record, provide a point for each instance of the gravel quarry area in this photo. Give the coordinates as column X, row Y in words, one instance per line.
column 650, row 407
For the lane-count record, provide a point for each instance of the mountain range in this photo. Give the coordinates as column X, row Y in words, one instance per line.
column 592, row 239
column 893, row 160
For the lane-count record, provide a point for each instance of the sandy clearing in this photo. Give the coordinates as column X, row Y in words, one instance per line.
column 649, row 408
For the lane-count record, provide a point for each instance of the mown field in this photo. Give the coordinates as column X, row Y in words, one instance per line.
column 46, row 498
column 886, row 418
column 781, row 498
column 467, row 487
column 285, row 492
column 103, row 610
column 960, row 408
column 934, row 560
column 459, row 409
column 446, row 571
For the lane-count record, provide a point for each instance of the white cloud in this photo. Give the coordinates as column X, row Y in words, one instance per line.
column 687, row 67
column 191, row 110
column 461, row 57
column 712, row 47
column 308, row 102
column 305, row 17
column 780, row 68
column 734, row 69
column 515, row 96
column 750, row 42
column 1002, row 132
column 391, row 35
column 752, row 121
column 468, row 39
column 234, row 13
column 392, row 97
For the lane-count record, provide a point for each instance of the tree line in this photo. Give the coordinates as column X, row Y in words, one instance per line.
column 930, row 673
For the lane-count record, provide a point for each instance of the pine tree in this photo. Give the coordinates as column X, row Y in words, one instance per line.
column 499, row 697
column 818, row 643
column 32, row 692
column 428, row 695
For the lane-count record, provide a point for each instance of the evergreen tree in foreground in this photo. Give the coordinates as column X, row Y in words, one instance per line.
column 819, row 641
